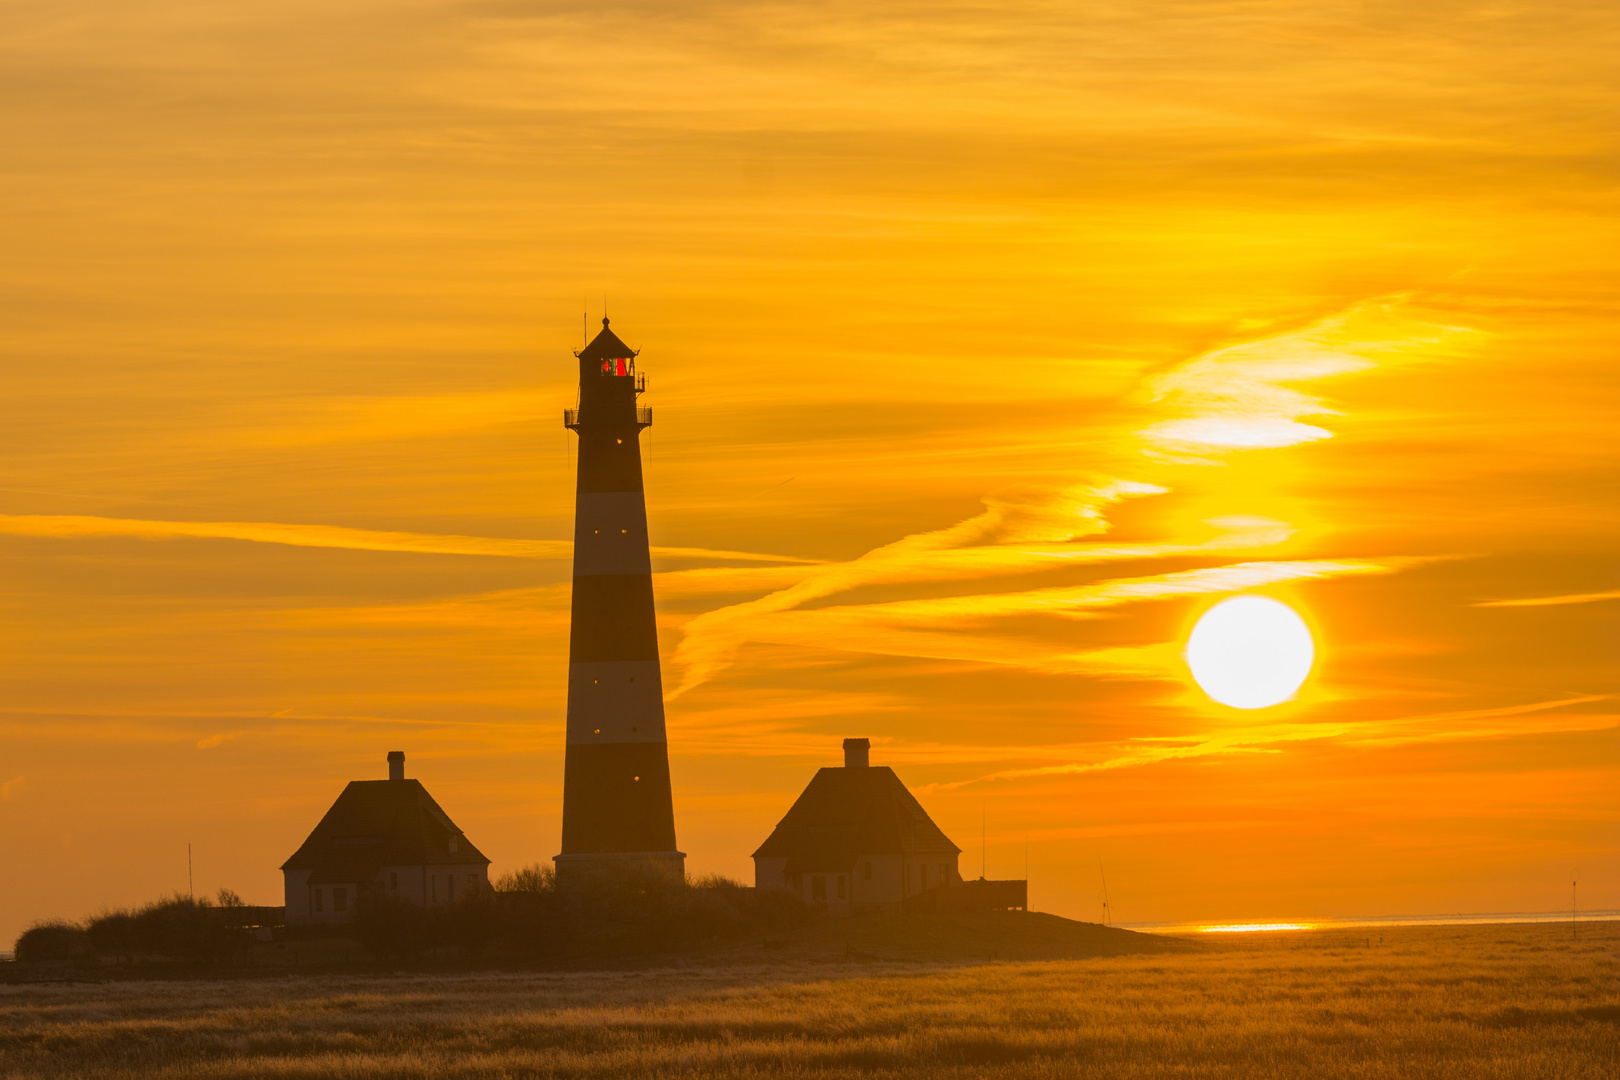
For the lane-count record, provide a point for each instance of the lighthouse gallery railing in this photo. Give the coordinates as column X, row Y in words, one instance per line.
column 643, row 418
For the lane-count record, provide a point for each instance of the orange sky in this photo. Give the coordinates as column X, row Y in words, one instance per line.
column 1005, row 338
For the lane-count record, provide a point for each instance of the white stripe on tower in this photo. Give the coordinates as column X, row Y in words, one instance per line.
column 615, row 701
column 610, row 533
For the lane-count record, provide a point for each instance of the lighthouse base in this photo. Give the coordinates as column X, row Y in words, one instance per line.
column 608, row 866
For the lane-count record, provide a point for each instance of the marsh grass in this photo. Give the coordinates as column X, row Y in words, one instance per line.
column 1431, row 1002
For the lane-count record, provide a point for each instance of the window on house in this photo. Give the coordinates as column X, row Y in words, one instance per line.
column 818, row 887
column 450, row 888
column 319, row 901
column 472, row 881
column 944, row 875
column 393, row 881
column 452, row 845
column 340, row 899
column 866, row 871
column 841, row 891
column 433, row 887
column 925, row 876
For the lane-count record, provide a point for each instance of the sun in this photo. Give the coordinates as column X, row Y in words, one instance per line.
column 1250, row 652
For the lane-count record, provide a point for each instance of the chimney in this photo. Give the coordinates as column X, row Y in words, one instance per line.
column 857, row 753
column 396, row 764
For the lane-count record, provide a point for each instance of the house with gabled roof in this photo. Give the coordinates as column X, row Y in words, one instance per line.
column 857, row 839
column 381, row 837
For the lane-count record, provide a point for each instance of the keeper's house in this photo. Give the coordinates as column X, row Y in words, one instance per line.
column 857, row 839
column 384, row 837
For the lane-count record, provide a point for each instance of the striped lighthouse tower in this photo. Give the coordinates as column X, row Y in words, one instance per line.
column 618, row 814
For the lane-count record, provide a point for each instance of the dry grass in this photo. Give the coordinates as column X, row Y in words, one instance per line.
column 1497, row 1001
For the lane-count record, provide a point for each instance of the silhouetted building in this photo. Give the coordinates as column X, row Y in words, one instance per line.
column 618, row 813
column 856, row 838
column 381, row 836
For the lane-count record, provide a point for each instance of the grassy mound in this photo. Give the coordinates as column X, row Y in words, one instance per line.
column 998, row 935
column 955, row 936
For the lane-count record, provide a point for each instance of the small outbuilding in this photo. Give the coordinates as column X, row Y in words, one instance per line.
column 857, row 839
column 381, row 837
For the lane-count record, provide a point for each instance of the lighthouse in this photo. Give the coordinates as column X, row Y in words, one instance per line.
column 618, row 814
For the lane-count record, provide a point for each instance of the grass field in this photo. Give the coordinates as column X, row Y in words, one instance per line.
column 1430, row 1002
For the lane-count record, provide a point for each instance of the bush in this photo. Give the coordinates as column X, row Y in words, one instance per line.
column 534, row 878
column 112, row 933
column 47, row 941
column 389, row 927
column 179, row 928
column 395, row 929
column 632, row 913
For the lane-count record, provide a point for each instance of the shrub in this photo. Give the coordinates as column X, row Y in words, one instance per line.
column 178, row 928
column 390, row 927
column 47, row 941
column 112, row 933
column 472, row 922
column 534, row 878
column 631, row 913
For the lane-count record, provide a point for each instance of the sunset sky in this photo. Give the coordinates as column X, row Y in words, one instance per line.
column 988, row 345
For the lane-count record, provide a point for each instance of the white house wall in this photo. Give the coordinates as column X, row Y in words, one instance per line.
column 422, row 885
column 930, row 872
column 831, row 882
column 894, row 877
column 770, row 874
column 883, row 889
column 295, row 892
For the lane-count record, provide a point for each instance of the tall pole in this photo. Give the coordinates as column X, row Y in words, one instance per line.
column 191, row 883
column 1108, row 916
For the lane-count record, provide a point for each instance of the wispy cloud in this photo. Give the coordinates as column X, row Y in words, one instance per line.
column 373, row 419
column 1432, row 727
column 1012, row 535
column 1241, row 397
column 1483, row 723
column 954, row 628
column 762, row 722
column 1553, row 601
column 73, row 526
column 938, row 628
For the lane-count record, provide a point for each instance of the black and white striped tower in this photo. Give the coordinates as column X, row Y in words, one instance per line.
column 618, row 814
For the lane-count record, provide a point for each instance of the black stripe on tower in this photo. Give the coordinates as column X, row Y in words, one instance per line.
column 612, row 619
column 617, row 798
column 609, row 458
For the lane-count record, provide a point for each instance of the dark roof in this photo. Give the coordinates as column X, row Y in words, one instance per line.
column 378, row 823
column 606, row 346
column 847, row 813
